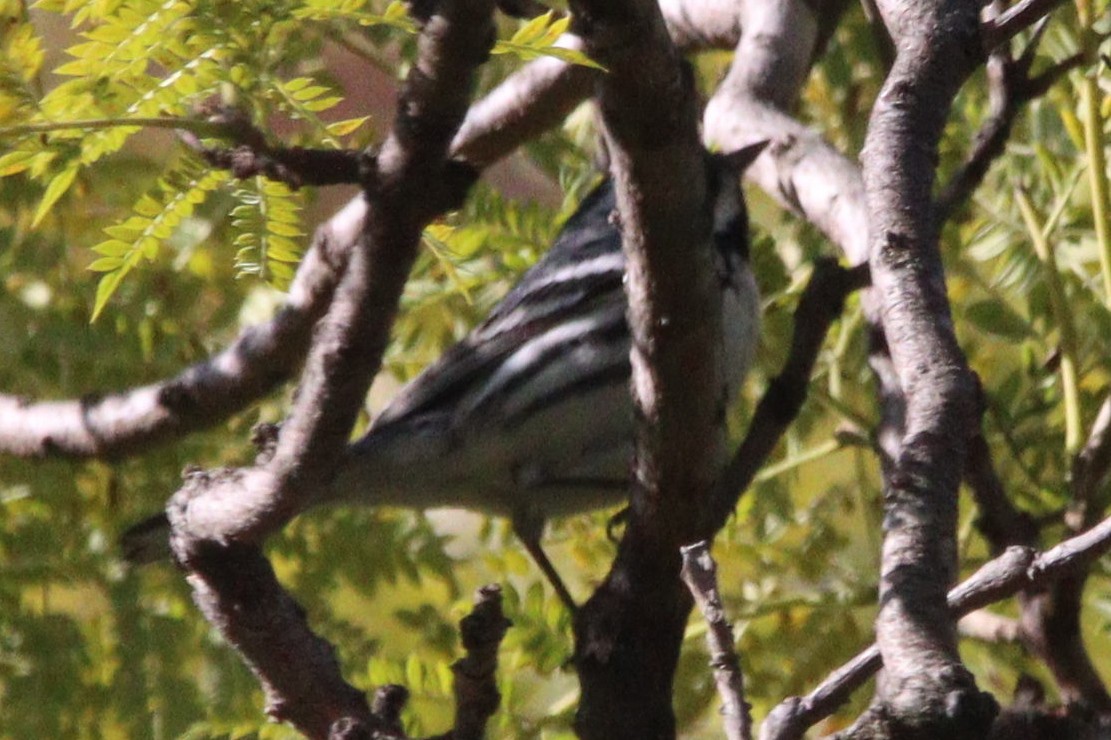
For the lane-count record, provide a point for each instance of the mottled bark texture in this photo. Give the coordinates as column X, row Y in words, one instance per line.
column 925, row 690
column 628, row 634
column 219, row 519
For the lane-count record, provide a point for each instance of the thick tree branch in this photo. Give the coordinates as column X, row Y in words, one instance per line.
column 229, row 512
column 926, row 687
column 628, row 634
column 237, row 591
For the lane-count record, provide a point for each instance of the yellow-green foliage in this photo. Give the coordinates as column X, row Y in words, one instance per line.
column 90, row 177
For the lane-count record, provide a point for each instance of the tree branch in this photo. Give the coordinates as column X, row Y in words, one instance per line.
column 127, row 423
column 1016, row 569
column 218, row 518
column 238, row 593
column 529, row 101
column 925, row 687
column 800, row 169
column 261, row 358
column 628, row 634
column 820, row 305
column 989, row 627
column 1049, row 622
column 700, row 574
column 1010, row 88
column 476, row 691
column 1015, row 20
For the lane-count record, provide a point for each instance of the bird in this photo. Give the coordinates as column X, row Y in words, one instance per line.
column 530, row 415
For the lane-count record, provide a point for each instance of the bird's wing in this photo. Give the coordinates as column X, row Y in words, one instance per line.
column 584, row 267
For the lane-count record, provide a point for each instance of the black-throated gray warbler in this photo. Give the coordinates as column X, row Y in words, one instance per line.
column 530, row 415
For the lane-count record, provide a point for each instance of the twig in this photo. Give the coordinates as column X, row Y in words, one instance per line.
column 1010, row 88
column 1090, row 467
column 1015, row 20
column 700, row 574
column 1001, row 522
column 476, row 691
column 295, row 166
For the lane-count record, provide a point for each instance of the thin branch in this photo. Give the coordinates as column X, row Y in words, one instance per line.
column 1016, row 569
column 262, row 357
column 527, row 103
column 700, row 574
column 1090, row 467
column 885, row 49
column 1015, row 20
column 820, row 305
column 989, row 627
column 1010, row 88
column 1001, row 522
column 215, row 129
column 1049, row 621
column 295, row 166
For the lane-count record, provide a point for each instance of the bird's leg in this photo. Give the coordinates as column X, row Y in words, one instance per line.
column 529, row 526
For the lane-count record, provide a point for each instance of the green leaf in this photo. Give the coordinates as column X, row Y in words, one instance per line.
column 112, row 248
column 15, row 162
column 532, row 31
column 995, row 317
column 105, row 264
column 55, row 190
column 537, row 38
column 343, row 128
column 104, row 290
